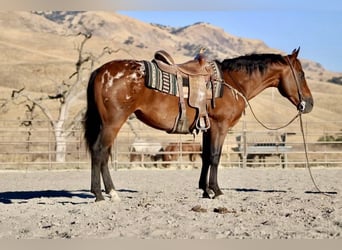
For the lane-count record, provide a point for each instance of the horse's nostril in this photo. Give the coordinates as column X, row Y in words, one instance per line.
column 305, row 106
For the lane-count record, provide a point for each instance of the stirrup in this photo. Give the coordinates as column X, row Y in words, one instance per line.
column 203, row 123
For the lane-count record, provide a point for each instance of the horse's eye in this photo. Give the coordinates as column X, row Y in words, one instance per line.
column 301, row 75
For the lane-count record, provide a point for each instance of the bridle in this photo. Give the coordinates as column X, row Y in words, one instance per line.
column 302, row 104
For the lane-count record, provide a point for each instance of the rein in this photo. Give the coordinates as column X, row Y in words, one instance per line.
column 307, row 162
column 299, row 114
column 247, row 103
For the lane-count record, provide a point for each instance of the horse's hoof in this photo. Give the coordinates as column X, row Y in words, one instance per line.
column 114, row 197
column 217, row 196
column 206, row 195
column 210, row 191
column 98, row 199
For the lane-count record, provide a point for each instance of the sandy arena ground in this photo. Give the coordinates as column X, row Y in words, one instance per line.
column 259, row 203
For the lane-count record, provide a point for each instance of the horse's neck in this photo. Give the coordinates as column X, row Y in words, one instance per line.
column 252, row 85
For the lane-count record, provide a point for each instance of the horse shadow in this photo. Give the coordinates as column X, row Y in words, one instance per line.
column 22, row 196
column 252, row 190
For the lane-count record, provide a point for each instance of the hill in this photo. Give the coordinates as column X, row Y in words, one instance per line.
column 38, row 53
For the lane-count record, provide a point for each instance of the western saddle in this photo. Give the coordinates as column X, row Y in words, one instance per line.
column 197, row 66
column 199, row 73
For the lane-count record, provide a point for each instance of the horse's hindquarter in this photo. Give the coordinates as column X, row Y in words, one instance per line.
column 116, row 88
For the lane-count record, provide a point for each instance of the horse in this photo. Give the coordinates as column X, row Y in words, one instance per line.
column 117, row 89
column 173, row 149
column 142, row 149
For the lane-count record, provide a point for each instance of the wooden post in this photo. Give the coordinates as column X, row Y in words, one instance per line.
column 244, row 142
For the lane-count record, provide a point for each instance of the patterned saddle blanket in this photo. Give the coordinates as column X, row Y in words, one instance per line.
column 167, row 83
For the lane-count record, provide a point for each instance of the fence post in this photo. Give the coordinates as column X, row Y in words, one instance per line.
column 49, row 148
column 79, row 148
column 115, row 156
column 181, row 149
column 244, row 143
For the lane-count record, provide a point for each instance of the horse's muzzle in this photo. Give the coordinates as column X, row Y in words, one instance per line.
column 305, row 106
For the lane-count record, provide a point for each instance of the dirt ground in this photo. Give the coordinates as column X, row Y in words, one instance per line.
column 259, row 203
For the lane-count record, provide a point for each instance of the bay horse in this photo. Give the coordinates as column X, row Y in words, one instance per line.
column 117, row 89
column 174, row 149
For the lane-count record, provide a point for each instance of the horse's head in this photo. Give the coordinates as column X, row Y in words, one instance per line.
column 293, row 85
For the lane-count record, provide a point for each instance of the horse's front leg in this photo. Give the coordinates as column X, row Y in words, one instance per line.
column 203, row 182
column 217, row 135
column 215, row 160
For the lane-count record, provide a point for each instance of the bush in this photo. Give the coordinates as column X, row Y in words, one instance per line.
column 129, row 40
column 332, row 138
column 336, row 80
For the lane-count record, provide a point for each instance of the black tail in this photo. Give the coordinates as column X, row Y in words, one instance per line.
column 92, row 120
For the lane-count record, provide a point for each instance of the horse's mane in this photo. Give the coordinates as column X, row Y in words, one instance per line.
column 252, row 62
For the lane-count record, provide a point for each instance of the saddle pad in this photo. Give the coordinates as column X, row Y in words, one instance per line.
column 217, row 75
column 160, row 80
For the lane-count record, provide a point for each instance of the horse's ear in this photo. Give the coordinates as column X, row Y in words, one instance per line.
column 295, row 52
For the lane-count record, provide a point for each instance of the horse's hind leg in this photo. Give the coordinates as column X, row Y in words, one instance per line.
column 108, row 135
column 97, row 156
column 107, row 179
column 100, row 156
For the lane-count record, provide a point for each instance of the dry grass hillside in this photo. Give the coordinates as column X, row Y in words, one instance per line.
column 38, row 53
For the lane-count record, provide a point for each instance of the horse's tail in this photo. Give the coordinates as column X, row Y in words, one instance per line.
column 92, row 120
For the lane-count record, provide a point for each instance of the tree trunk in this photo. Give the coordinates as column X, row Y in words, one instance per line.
column 60, row 141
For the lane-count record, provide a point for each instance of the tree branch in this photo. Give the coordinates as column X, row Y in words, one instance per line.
column 16, row 94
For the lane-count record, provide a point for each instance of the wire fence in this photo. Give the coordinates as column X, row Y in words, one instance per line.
column 32, row 145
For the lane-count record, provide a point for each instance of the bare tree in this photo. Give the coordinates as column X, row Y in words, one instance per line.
column 67, row 93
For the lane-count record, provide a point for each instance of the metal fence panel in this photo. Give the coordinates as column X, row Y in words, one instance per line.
column 33, row 147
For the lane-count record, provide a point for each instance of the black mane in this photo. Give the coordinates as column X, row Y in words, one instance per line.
column 252, row 62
